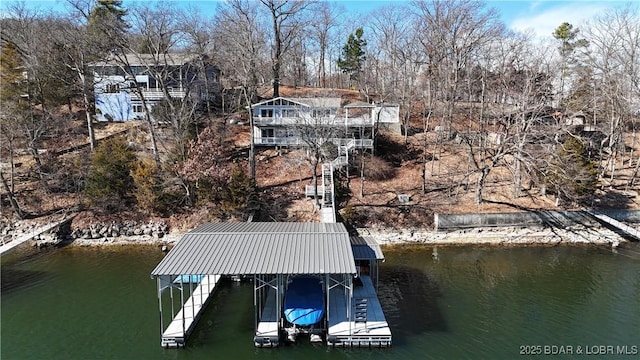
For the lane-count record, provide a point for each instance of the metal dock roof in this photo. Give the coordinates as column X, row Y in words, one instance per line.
column 261, row 248
column 366, row 248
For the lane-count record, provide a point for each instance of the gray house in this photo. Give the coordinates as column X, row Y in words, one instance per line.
column 289, row 121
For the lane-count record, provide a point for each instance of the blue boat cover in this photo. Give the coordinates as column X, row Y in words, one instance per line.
column 304, row 301
column 188, row 279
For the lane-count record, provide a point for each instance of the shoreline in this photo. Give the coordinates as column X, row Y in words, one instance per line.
column 491, row 236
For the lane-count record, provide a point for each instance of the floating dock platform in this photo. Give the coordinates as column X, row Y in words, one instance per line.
column 368, row 326
column 268, row 331
column 185, row 320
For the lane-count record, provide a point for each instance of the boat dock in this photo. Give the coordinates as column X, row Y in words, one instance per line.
column 272, row 254
column 185, row 320
column 365, row 325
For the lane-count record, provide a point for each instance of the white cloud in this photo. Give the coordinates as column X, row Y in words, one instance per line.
column 545, row 17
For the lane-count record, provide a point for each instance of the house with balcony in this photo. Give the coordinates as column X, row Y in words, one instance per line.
column 127, row 86
column 286, row 121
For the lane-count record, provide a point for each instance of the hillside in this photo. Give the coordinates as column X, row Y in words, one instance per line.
column 282, row 175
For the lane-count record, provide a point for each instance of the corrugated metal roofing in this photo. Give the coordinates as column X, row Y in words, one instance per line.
column 366, row 248
column 261, row 248
column 320, row 102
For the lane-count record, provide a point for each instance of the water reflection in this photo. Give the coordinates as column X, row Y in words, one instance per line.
column 410, row 302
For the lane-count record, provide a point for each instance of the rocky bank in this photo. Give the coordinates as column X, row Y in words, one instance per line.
column 159, row 233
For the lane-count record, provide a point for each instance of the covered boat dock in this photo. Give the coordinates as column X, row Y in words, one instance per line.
column 269, row 254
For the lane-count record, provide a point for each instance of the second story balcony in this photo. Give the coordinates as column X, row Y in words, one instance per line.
column 332, row 121
column 157, row 94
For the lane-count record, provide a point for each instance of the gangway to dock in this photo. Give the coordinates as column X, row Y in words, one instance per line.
column 5, row 247
column 617, row 225
column 185, row 320
column 347, row 327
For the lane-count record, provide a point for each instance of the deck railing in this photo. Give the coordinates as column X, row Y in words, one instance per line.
column 296, row 141
column 158, row 94
column 337, row 121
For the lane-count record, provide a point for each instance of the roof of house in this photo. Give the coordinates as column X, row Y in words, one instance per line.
column 261, row 248
column 317, row 102
column 359, row 104
column 135, row 59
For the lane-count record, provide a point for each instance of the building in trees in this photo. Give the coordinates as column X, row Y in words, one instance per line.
column 126, row 86
column 297, row 121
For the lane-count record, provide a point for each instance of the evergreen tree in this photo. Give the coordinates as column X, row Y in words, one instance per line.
column 569, row 42
column 573, row 176
column 109, row 182
column 353, row 56
column 106, row 24
column 11, row 73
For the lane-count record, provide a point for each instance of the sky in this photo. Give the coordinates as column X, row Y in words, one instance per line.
column 538, row 16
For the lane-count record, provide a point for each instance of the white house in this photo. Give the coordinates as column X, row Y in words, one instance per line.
column 121, row 83
column 278, row 121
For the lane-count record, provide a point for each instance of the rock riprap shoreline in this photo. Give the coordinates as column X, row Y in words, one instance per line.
column 159, row 233
column 498, row 236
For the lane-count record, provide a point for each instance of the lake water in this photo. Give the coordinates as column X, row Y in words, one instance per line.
column 469, row 302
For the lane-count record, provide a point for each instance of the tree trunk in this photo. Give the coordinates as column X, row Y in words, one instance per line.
column 635, row 174
column 252, row 153
column 276, row 56
column 517, row 183
column 314, row 176
column 424, row 151
column 152, row 131
column 362, row 175
column 87, row 108
column 480, row 185
column 12, row 199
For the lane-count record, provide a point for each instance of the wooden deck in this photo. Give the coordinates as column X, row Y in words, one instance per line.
column 268, row 334
column 185, row 320
column 373, row 332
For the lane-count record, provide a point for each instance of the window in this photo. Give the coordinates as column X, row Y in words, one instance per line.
column 112, row 88
column 289, row 113
column 138, row 108
column 267, row 133
column 266, row 113
column 319, row 113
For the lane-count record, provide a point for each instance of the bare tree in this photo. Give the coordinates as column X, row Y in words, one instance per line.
column 155, row 33
column 322, row 29
column 316, row 131
column 200, row 42
column 287, row 24
column 453, row 30
column 240, row 36
column 400, row 58
column 613, row 54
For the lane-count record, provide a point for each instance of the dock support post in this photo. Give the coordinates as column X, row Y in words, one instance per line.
column 159, row 283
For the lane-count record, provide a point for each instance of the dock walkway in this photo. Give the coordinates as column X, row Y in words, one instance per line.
column 184, row 322
column 28, row 236
column 268, row 334
column 372, row 332
column 620, row 227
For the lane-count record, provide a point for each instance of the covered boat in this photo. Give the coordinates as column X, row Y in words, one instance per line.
column 304, row 301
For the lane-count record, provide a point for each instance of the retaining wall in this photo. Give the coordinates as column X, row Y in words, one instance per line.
column 524, row 219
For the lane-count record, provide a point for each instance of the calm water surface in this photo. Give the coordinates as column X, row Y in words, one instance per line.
column 469, row 302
